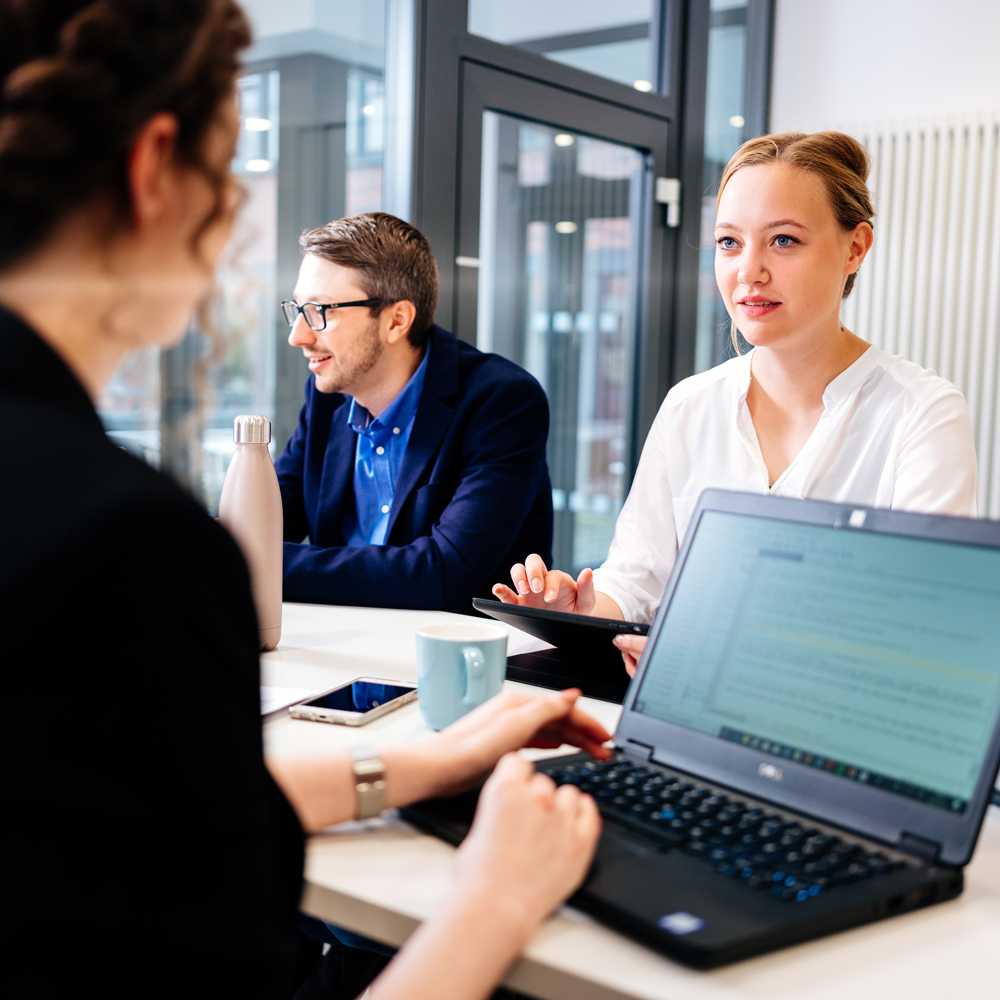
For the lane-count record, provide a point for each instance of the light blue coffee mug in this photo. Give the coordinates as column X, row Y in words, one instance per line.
column 459, row 667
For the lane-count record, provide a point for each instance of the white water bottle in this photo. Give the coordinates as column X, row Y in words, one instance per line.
column 250, row 509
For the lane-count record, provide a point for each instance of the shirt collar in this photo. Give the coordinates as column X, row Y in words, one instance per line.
column 850, row 378
column 743, row 362
column 397, row 414
column 839, row 388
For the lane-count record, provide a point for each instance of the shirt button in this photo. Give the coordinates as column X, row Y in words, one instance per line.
column 385, row 508
column 395, row 430
column 380, row 450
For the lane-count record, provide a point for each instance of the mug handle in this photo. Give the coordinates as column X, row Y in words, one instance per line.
column 475, row 669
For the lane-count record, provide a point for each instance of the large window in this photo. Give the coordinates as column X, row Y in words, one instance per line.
column 732, row 115
column 611, row 40
column 310, row 150
column 356, row 105
column 560, row 254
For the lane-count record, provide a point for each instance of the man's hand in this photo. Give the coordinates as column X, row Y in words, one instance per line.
column 538, row 587
column 631, row 647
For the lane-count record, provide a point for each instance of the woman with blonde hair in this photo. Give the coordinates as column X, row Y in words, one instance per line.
column 812, row 411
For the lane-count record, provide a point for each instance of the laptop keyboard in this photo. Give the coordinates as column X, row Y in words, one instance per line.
column 767, row 852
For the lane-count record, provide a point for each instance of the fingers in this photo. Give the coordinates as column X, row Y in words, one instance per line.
column 566, row 802
column 560, row 590
column 553, row 584
column 588, row 820
column 631, row 647
column 581, row 822
column 557, row 719
column 632, row 644
column 536, row 571
column 512, row 767
column 579, row 722
column 589, row 728
column 506, row 595
column 519, row 577
column 560, row 732
column 586, row 598
column 533, row 716
column 578, row 729
column 512, row 720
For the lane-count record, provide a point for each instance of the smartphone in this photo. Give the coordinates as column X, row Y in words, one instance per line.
column 357, row 702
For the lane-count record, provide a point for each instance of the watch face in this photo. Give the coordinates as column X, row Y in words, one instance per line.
column 369, row 782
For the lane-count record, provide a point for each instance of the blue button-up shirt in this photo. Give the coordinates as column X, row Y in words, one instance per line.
column 378, row 458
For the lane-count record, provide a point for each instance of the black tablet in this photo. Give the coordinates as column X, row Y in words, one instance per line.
column 586, row 637
column 585, row 656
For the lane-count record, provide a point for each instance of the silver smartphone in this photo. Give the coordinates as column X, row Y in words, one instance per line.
column 355, row 703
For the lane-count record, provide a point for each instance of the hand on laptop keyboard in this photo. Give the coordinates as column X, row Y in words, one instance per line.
column 768, row 852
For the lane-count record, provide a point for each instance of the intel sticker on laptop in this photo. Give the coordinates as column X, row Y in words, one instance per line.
column 680, row 923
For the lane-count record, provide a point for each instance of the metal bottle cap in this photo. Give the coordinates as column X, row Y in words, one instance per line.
column 252, row 430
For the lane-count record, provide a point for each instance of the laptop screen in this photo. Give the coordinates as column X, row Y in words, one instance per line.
column 873, row 657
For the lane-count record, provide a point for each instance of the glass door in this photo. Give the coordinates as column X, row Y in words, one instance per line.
column 560, row 221
column 558, row 277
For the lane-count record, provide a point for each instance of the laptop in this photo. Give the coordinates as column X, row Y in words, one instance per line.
column 811, row 739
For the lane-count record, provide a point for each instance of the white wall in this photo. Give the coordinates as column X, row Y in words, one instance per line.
column 841, row 62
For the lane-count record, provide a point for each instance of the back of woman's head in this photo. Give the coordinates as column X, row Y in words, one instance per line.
column 79, row 79
column 841, row 162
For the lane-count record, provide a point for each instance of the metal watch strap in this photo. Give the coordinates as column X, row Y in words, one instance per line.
column 369, row 783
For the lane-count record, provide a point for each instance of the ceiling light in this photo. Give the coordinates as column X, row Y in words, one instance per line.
column 562, row 139
column 566, row 227
column 737, row 121
column 368, row 109
column 258, row 166
column 644, row 85
column 257, row 124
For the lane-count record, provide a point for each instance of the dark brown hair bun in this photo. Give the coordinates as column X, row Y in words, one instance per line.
column 79, row 79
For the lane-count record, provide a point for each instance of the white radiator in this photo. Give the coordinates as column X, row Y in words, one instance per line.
column 930, row 288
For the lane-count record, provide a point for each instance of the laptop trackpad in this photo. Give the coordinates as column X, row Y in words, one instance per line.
column 647, row 885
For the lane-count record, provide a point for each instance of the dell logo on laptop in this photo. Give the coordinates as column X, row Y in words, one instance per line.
column 770, row 771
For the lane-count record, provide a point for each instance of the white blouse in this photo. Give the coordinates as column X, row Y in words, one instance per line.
column 892, row 434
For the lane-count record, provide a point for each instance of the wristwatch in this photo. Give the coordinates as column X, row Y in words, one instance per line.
column 369, row 782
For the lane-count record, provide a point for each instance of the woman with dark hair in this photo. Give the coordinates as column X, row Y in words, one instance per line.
column 147, row 846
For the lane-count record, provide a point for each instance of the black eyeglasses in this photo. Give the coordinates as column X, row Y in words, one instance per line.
column 315, row 312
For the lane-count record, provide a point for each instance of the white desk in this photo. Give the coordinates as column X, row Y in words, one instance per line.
column 382, row 878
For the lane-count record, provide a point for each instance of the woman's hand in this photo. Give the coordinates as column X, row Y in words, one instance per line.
column 631, row 647
column 530, row 845
column 538, row 587
column 320, row 786
column 467, row 750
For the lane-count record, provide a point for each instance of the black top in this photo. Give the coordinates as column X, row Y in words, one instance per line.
column 145, row 848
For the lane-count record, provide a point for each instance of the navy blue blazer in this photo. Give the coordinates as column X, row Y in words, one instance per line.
column 472, row 498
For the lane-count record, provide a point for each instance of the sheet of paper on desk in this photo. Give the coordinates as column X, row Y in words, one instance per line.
column 274, row 698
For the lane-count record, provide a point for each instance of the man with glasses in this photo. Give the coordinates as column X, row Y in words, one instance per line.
column 417, row 474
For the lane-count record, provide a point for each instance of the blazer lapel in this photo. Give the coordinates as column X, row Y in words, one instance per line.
column 434, row 416
column 337, row 481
